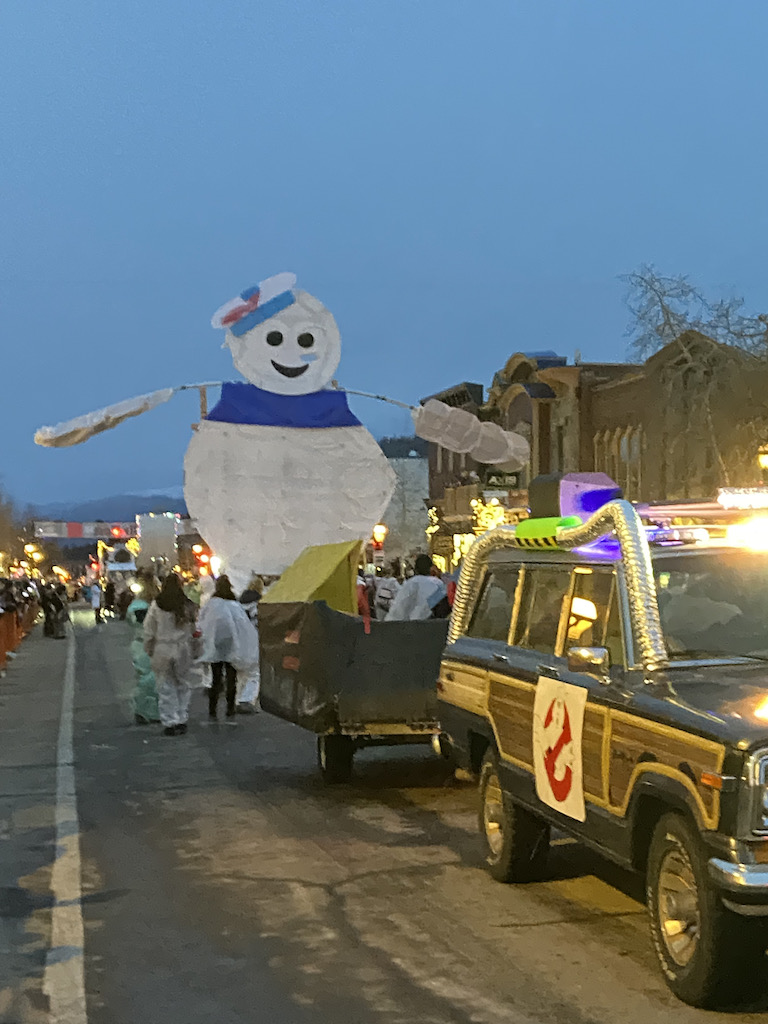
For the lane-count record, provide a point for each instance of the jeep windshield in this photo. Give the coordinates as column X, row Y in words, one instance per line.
column 713, row 602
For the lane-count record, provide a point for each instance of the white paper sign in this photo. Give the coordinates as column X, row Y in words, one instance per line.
column 558, row 723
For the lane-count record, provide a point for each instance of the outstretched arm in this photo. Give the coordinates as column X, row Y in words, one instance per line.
column 80, row 429
column 460, row 431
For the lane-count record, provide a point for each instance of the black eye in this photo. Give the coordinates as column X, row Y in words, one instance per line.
column 274, row 338
column 306, row 340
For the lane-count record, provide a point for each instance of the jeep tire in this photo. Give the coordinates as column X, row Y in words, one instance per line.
column 515, row 841
column 708, row 954
column 334, row 757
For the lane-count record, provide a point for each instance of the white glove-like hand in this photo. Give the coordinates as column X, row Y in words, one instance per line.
column 460, row 431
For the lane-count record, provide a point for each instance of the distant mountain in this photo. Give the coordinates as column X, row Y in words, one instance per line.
column 118, row 508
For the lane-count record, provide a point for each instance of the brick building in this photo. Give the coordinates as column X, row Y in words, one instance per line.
column 535, row 394
column 687, row 421
column 538, row 395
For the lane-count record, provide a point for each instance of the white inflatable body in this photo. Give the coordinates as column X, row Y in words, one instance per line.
column 282, row 464
column 260, row 495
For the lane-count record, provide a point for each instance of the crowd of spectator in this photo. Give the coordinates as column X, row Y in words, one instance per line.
column 19, row 608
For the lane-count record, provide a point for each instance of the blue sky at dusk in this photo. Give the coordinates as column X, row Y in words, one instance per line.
column 457, row 181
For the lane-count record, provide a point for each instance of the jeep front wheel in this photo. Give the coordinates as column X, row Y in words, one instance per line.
column 706, row 952
column 515, row 842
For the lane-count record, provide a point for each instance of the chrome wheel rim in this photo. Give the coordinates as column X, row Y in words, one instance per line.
column 493, row 814
column 678, row 909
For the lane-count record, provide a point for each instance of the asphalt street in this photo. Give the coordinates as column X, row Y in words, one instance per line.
column 221, row 881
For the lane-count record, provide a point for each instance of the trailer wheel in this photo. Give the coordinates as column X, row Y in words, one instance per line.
column 443, row 747
column 334, row 757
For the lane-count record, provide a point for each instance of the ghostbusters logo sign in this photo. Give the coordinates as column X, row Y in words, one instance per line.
column 558, row 722
column 560, row 787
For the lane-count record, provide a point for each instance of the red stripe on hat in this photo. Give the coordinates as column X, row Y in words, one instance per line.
column 239, row 312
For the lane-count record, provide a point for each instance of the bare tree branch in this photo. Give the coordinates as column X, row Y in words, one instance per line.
column 712, row 339
column 663, row 308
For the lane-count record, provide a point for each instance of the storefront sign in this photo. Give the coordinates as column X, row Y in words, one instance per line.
column 502, row 481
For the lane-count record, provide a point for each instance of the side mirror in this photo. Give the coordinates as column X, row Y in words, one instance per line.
column 595, row 661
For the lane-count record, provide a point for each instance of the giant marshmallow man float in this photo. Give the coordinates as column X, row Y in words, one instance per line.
column 281, row 462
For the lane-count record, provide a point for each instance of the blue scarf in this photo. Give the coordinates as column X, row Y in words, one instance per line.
column 245, row 403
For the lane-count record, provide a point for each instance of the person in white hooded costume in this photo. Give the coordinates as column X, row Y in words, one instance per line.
column 423, row 596
column 229, row 644
column 248, row 692
column 168, row 628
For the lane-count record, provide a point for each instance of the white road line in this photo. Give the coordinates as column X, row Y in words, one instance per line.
column 64, row 978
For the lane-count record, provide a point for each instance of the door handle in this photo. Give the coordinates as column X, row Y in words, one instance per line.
column 502, row 658
column 449, row 676
column 548, row 670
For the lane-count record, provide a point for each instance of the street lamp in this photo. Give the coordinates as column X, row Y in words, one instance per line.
column 33, row 555
column 379, row 534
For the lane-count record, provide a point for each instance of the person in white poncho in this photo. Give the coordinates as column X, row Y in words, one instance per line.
column 230, row 644
column 248, row 695
column 168, row 628
column 423, row 596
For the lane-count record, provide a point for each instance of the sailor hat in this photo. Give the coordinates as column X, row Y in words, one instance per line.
column 255, row 305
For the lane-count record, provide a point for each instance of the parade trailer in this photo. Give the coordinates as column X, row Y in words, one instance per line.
column 351, row 681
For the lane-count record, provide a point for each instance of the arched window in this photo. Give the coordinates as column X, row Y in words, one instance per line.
column 598, row 452
column 614, row 456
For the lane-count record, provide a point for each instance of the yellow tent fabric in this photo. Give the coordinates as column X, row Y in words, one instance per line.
column 325, row 572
